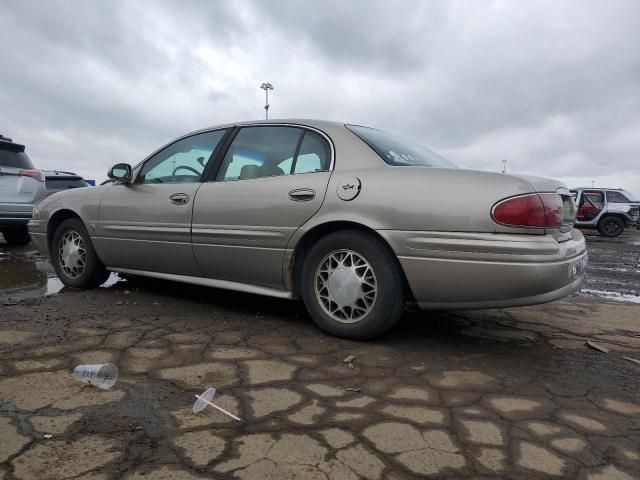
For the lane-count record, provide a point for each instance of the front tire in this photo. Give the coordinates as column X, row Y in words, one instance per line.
column 352, row 285
column 73, row 257
column 16, row 235
column 611, row 226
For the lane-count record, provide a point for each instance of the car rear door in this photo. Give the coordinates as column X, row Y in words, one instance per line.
column 270, row 181
column 146, row 225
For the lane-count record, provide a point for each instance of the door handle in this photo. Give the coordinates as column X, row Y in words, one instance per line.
column 302, row 194
column 179, row 198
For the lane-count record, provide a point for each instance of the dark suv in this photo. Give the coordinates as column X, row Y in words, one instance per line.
column 21, row 187
column 57, row 181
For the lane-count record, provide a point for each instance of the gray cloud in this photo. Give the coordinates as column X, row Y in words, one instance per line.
column 551, row 86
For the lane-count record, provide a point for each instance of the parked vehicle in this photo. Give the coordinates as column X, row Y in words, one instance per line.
column 350, row 219
column 609, row 210
column 57, row 181
column 21, row 187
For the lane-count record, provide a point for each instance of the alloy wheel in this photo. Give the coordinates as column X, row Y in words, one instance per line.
column 612, row 227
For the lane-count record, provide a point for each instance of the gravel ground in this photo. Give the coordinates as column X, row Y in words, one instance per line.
column 499, row 393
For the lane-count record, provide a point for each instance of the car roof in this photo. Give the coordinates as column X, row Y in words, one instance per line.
column 309, row 122
column 598, row 189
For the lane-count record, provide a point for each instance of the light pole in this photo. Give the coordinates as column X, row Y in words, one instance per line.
column 504, row 166
column 266, row 87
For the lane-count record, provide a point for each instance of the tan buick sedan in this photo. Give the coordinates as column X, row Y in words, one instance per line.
column 354, row 221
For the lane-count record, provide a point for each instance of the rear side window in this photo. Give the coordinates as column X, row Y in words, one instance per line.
column 313, row 156
column 398, row 151
column 616, row 197
column 15, row 159
column 64, row 184
column 258, row 152
column 271, row 151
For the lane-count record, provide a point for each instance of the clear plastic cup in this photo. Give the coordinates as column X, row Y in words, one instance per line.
column 203, row 400
column 103, row 375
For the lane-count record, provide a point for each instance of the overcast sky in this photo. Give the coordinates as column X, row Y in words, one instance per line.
column 551, row 86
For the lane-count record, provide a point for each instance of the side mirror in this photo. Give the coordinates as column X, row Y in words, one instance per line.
column 120, row 172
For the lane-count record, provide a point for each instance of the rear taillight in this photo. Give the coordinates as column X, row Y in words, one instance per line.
column 543, row 210
column 37, row 174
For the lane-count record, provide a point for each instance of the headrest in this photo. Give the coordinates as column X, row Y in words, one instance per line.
column 249, row 171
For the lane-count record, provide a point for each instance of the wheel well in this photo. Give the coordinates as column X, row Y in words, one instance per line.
column 316, row 233
column 55, row 221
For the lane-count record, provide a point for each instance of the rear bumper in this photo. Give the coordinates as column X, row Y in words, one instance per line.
column 15, row 213
column 468, row 271
column 12, row 218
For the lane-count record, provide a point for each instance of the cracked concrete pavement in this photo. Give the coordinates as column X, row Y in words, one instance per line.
column 499, row 393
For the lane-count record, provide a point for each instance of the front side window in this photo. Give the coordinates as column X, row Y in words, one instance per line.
column 265, row 151
column 182, row 161
column 616, row 197
column 398, row 151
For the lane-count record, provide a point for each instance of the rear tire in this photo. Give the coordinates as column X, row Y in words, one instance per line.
column 352, row 286
column 16, row 235
column 74, row 258
column 611, row 226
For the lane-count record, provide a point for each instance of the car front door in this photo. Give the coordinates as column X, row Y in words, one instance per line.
column 146, row 225
column 271, row 180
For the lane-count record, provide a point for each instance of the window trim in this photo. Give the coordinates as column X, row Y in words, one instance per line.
column 217, row 161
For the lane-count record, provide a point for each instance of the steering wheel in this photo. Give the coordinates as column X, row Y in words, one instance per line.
column 173, row 174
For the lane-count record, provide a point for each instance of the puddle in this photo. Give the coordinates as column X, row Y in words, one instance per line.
column 608, row 295
column 27, row 275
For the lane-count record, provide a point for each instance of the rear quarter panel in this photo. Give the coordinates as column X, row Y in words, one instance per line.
column 419, row 198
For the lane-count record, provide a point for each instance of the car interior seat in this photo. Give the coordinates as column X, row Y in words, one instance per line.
column 250, row 171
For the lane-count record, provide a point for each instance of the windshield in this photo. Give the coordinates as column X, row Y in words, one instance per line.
column 398, row 151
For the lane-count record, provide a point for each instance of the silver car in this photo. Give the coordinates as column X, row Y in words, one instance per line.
column 21, row 187
column 354, row 221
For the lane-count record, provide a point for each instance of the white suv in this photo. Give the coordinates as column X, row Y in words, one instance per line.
column 609, row 210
